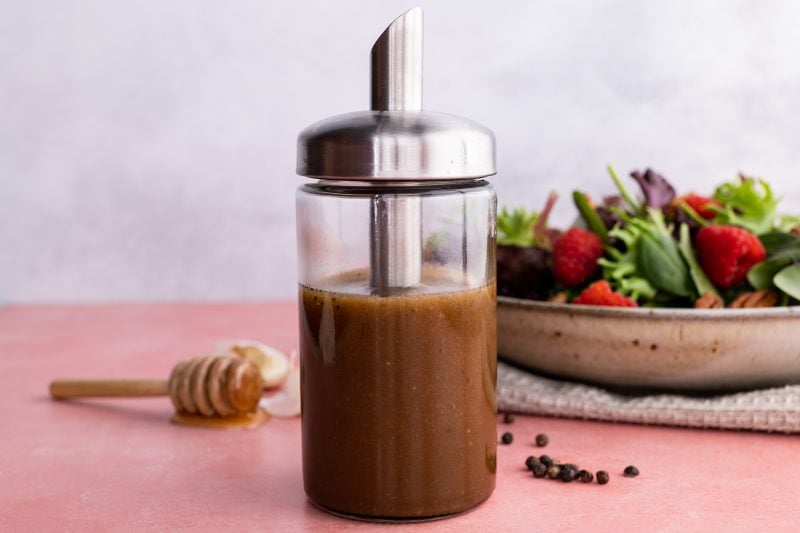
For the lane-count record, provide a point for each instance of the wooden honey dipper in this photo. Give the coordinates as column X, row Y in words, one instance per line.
column 216, row 390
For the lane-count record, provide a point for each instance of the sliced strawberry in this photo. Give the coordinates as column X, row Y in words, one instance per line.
column 600, row 293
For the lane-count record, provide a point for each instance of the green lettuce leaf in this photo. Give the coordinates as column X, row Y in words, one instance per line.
column 701, row 281
column 515, row 228
column 620, row 268
column 747, row 203
column 788, row 222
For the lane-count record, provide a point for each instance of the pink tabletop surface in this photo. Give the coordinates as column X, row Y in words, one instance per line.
column 119, row 465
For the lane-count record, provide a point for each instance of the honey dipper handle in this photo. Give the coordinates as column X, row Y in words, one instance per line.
column 98, row 388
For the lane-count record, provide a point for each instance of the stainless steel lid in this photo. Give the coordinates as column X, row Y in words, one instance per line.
column 396, row 140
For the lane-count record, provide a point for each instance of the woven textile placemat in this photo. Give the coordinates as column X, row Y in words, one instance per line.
column 775, row 409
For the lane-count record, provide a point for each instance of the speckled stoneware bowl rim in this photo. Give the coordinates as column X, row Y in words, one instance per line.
column 662, row 313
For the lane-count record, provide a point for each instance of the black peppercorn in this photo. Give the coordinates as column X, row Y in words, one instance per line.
column 631, row 471
column 508, row 418
column 568, row 473
column 507, row 438
column 602, row 477
column 530, row 461
column 585, row 476
column 545, row 460
column 553, row 472
column 542, row 440
column 539, row 470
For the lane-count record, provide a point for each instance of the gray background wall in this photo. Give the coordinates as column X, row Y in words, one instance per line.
column 147, row 147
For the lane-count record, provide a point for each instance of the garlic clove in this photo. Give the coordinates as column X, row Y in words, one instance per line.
column 272, row 363
column 285, row 404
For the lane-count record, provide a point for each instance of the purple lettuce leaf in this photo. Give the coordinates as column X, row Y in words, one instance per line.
column 658, row 193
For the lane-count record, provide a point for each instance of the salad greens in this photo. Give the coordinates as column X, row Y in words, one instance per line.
column 747, row 203
column 660, row 262
column 658, row 192
column 589, row 214
column 515, row 228
column 649, row 251
column 779, row 269
column 634, row 206
column 701, row 282
column 787, row 222
column 788, row 280
column 620, row 268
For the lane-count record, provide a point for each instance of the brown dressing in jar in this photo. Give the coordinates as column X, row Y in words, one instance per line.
column 398, row 399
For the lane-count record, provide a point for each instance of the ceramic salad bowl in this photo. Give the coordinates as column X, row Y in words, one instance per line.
column 689, row 349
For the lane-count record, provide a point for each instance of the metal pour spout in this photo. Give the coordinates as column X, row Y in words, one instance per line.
column 397, row 65
column 396, row 220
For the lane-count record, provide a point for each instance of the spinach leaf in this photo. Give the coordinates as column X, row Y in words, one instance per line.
column 789, row 253
column 659, row 260
column 701, row 281
column 661, row 264
column 775, row 241
column 788, row 280
column 761, row 274
column 782, row 253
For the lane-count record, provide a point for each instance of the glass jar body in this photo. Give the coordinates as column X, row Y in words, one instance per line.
column 398, row 382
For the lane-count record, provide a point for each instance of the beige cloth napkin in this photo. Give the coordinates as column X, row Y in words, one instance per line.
column 776, row 409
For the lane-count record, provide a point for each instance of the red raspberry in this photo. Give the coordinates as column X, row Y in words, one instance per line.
column 701, row 205
column 575, row 256
column 600, row 293
column 726, row 253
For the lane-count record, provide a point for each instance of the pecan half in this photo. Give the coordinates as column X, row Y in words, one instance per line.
column 762, row 298
column 709, row 300
column 558, row 298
